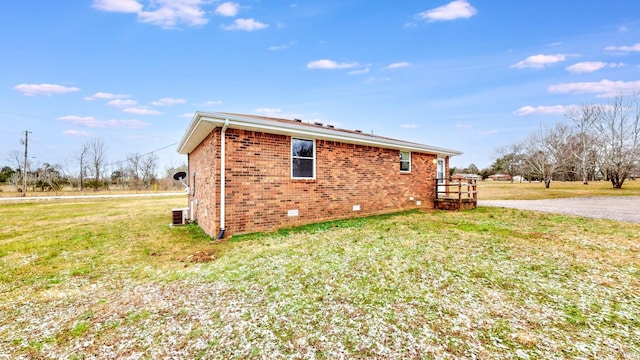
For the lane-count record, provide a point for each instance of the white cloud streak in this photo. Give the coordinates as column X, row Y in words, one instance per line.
column 168, row 101
column 142, row 111
column 164, row 13
column 91, row 122
column 624, row 49
column 228, row 9
column 123, row 6
column 246, row 25
column 540, row 61
column 398, row 65
column 77, row 133
column 591, row 66
column 105, row 96
column 544, row 110
column 330, row 65
column 603, row 88
column 359, row 72
column 457, row 9
column 44, row 89
column 122, row 103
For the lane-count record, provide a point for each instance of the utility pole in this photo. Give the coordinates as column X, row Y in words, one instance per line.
column 26, row 170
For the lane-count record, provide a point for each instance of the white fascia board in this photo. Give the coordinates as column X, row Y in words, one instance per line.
column 194, row 136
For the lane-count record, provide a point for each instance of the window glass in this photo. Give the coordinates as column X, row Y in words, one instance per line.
column 405, row 161
column 302, row 158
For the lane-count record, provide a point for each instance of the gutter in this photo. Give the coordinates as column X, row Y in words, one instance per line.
column 204, row 122
column 222, row 178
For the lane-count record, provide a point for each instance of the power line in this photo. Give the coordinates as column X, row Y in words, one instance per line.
column 145, row 154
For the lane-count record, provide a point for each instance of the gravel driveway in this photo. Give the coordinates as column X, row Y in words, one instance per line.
column 621, row 208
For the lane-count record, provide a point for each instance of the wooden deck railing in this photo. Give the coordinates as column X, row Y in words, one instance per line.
column 456, row 189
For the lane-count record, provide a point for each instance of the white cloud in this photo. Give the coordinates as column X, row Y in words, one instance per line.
column 77, row 133
column 540, row 61
column 603, row 88
column 272, row 112
column 624, row 49
column 91, row 122
column 457, row 9
column 228, row 9
column 43, row 89
column 409, row 126
column 281, row 47
column 358, row 72
column 122, row 103
column 591, row 66
column 142, row 111
column 623, row 29
column 124, row 6
column 246, row 25
column 187, row 115
column 329, row 64
column 211, row 103
column 168, row 102
column 164, row 13
column 105, row 96
column 544, row 110
column 463, row 126
column 398, row 65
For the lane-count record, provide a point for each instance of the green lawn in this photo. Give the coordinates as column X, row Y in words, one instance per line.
column 108, row 278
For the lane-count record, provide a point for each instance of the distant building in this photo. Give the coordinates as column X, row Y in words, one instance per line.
column 499, row 177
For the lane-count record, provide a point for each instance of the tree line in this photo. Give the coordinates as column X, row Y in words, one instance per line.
column 596, row 141
column 91, row 171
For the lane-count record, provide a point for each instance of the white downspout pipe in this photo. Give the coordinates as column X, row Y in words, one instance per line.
column 222, row 177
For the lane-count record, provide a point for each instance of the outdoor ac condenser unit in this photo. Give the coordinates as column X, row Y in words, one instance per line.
column 179, row 216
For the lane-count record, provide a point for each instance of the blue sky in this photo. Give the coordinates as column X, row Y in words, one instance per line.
column 468, row 75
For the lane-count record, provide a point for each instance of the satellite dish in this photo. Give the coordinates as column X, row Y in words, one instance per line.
column 179, row 175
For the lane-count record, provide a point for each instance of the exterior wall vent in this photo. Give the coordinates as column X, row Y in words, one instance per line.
column 297, row 120
column 359, row 131
column 318, row 123
column 330, row 126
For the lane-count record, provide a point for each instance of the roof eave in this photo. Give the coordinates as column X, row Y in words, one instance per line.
column 203, row 123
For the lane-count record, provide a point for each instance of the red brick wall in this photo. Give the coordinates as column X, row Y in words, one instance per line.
column 204, row 161
column 260, row 191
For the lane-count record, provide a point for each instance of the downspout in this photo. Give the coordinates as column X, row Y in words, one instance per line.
column 222, row 178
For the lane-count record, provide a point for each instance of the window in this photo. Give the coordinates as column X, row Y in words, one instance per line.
column 303, row 154
column 405, row 161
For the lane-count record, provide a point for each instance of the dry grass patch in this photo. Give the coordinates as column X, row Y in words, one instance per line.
column 488, row 283
column 504, row 190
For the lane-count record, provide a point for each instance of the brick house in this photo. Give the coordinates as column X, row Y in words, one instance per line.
column 272, row 173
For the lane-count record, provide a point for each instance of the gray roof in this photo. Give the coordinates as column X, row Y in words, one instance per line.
column 203, row 123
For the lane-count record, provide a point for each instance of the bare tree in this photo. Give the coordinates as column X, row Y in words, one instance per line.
column 546, row 152
column 148, row 166
column 96, row 151
column 584, row 139
column 618, row 127
column 511, row 159
column 82, row 158
column 134, row 163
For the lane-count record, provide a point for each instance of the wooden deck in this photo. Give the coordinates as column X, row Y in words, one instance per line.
column 456, row 195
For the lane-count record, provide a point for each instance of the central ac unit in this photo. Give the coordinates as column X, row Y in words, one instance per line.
column 179, row 216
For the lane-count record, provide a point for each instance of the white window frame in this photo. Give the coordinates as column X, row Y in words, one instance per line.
column 300, row 157
column 401, row 161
